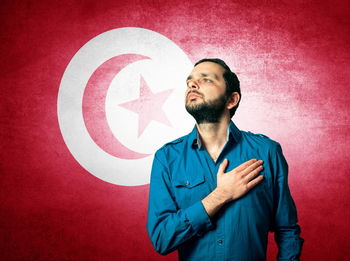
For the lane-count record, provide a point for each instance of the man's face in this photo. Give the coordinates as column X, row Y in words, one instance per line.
column 205, row 97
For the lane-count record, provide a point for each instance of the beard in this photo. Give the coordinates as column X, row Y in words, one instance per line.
column 208, row 111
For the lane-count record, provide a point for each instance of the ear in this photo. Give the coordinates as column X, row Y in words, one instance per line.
column 233, row 100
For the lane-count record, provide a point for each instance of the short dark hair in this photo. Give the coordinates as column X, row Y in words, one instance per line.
column 231, row 80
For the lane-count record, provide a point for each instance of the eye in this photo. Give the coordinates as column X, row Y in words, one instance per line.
column 207, row 80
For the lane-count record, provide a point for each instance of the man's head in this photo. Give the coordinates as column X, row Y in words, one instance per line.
column 212, row 88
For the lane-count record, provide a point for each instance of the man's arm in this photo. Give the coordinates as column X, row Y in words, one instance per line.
column 287, row 232
column 168, row 226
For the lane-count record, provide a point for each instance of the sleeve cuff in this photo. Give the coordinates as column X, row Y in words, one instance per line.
column 198, row 218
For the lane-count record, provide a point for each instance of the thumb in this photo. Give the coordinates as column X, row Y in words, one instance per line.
column 222, row 167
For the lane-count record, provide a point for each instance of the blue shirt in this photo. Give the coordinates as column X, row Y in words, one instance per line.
column 183, row 174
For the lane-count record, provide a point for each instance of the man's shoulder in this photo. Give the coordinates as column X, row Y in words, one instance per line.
column 258, row 140
column 176, row 144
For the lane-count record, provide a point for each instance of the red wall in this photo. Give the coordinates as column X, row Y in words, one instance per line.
column 293, row 61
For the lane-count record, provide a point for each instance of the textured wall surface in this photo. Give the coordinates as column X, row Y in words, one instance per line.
column 292, row 58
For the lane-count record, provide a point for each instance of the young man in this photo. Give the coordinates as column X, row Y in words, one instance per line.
column 217, row 192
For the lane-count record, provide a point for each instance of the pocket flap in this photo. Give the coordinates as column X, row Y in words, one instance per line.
column 190, row 182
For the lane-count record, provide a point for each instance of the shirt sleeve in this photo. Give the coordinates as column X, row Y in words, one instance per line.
column 167, row 225
column 287, row 231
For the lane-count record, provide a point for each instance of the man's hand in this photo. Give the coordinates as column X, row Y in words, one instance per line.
column 237, row 182
column 233, row 184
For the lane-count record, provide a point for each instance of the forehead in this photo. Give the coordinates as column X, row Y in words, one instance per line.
column 209, row 68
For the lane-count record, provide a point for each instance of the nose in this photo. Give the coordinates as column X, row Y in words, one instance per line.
column 193, row 85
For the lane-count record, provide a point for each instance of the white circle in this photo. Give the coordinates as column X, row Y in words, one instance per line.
column 167, row 69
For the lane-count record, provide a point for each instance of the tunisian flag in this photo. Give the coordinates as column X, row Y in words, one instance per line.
column 90, row 89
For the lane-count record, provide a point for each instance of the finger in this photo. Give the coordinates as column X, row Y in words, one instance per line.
column 254, row 182
column 252, row 167
column 223, row 167
column 244, row 165
column 253, row 173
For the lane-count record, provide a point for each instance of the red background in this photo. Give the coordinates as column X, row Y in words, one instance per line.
column 293, row 61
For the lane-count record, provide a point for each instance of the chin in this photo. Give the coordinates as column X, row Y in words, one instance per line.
column 193, row 103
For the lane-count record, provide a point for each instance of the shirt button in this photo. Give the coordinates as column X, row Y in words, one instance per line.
column 220, row 242
column 187, row 183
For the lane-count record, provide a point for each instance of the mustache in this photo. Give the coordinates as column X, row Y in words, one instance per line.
column 194, row 91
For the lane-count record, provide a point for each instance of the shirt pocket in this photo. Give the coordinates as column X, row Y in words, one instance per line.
column 190, row 190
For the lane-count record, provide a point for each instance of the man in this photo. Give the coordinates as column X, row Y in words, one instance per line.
column 217, row 192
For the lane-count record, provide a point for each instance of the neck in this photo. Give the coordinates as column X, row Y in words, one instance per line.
column 213, row 135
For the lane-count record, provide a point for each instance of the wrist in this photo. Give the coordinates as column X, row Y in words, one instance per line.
column 214, row 201
column 221, row 196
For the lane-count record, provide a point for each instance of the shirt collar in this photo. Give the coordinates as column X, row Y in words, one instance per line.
column 232, row 133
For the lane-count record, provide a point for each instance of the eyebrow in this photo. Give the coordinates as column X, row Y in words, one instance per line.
column 204, row 75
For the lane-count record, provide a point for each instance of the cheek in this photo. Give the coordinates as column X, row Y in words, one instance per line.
column 213, row 93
